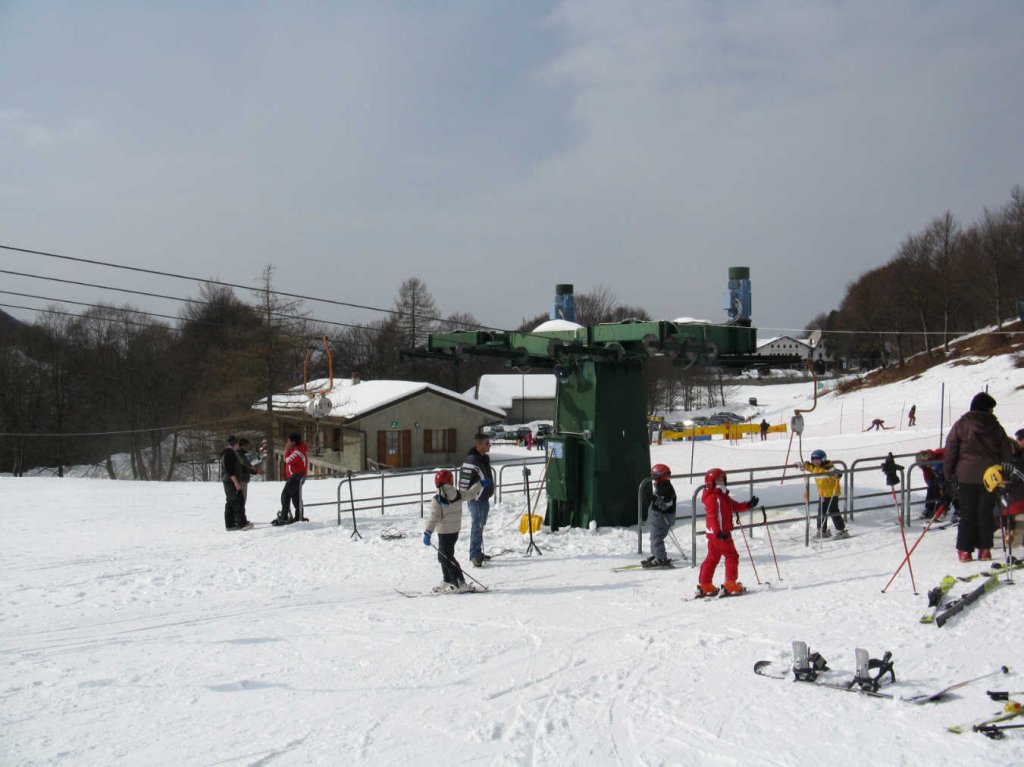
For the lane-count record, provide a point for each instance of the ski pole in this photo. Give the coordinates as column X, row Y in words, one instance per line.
column 903, row 533
column 455, row 562
column 768, row 531
column 906, row 559
column 751, row 556
column 676, row 540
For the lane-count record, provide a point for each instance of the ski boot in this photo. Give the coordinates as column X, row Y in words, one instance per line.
column 706, row 590
column 733, row 588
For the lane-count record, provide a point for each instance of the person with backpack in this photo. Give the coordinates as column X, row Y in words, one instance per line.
column 661, row 515
column 296, row 463
column 719, row 508
column 446, row 520
column 976, row 442
column 829, row 487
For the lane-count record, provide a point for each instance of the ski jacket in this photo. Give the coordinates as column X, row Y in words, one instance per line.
column 229, row 466
column 296, row 461
column 446, row 508
column 930, row 462
column 720, row 509
column 476, row 468
column 664, row 498
column 828, row 484
column 974, row 443
column 246, row 467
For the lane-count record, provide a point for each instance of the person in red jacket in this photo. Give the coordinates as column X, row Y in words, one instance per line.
column 296, row 461
column 720, row 509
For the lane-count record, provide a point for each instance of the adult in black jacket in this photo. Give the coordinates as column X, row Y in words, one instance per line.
column 477, row 469
column 231, row 477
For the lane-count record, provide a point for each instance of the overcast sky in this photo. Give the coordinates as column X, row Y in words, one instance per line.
column 496, row 149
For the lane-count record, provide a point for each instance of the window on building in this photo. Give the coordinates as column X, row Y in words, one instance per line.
column 439, row 440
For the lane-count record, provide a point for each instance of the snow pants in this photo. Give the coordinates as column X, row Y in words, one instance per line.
column 660, row 523
column 716, row 550
column 977, row 518
column 234, row 507
column 292, row 494
column 828, row 506
column 450, row 570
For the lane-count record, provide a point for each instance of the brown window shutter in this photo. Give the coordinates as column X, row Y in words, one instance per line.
column 426, row 440
column 451, row 441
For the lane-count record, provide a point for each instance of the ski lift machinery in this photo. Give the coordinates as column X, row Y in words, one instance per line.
column 599, row 452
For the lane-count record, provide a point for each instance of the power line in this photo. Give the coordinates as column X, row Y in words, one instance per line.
column 335, row 302
column 173, row 275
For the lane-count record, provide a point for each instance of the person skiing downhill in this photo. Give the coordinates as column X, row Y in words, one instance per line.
column 661, row 515
column 720, row 508
column 446, row 519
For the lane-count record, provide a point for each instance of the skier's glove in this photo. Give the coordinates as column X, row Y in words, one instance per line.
column 754, row 500
column 426, row 538
column 722, row 536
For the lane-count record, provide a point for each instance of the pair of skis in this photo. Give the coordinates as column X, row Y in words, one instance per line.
column 807, row 668
column 941, row 614
column 994, row 726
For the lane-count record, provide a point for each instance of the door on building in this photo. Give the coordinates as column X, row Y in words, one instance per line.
column 394, row 448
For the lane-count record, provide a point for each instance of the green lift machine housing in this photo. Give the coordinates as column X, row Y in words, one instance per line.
column 599, row 451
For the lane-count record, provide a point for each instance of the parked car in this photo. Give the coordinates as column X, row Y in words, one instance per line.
column 730, row 417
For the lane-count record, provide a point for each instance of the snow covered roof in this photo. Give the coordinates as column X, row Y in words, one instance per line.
column 499, row 389
column 354, row 400
column 559, row 325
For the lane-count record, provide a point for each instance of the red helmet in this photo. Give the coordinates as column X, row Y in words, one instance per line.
column 660, row 471
column 443, row 477
column 712, row 475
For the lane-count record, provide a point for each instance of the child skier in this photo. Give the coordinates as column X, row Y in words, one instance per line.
column 446, row 519
column 720, row 509
column 661, row 515
column 828, row 493
column 936, row 499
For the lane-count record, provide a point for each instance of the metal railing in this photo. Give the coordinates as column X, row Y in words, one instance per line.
column 384, row 498
column 850, row 501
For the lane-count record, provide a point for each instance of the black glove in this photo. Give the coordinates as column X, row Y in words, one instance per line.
column 890, row 468
column 754, row 500
column 722, row 536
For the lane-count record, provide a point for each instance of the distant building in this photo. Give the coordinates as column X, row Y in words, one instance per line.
column 524, row 397
column 806, row 349
column 380, row 424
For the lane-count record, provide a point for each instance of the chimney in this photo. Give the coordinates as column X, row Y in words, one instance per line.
column 355, row 377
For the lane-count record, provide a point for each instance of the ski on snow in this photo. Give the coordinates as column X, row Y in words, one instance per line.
column 807, row 668
column 417, row 594
column 957, row 605
column 643, row 566
column 936, row 597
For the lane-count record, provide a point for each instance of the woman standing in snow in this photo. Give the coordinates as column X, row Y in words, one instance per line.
column 974, row 443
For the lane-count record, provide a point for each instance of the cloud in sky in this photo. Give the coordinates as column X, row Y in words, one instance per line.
column 495, row 149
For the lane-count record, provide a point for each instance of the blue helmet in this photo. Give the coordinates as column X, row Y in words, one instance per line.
column 818, row 454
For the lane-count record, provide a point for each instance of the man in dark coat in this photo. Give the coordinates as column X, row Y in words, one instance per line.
column 231, row 478
column 976, row 442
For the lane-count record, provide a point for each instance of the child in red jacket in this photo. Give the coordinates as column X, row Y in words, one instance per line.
column 720, row 509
